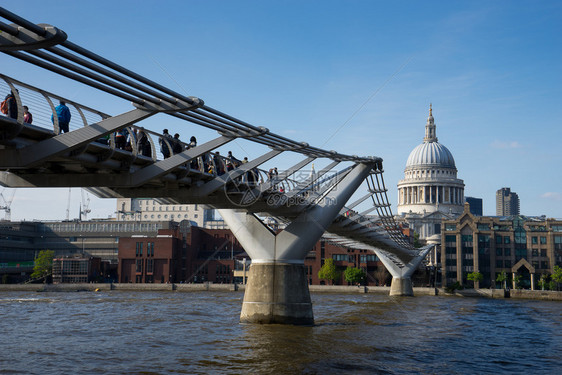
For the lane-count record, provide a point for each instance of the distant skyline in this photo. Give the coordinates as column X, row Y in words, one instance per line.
column 356, row 77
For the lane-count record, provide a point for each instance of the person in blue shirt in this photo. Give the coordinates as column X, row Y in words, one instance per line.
column 63, row 113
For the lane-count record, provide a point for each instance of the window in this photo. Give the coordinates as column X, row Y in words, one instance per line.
column 507, row 263
column 339, row 257
column 535, row 252
column 450, row 227
column 534, row 240
column 138, row 249
column 498, row 239
column 149, row 265
column 499, row 263
column 506, row 240
column 498, row 251
column 543, row 252
column 507, row 252
column 139, row 266
column 543, row 240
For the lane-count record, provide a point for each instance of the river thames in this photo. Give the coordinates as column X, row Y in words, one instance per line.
column 199, row 333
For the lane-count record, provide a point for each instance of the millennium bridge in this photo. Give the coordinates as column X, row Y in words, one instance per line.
column 114, row 156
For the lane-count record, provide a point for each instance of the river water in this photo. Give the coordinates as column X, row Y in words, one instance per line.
column 199, row 333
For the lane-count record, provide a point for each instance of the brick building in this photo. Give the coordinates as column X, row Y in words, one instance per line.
column 197, row 254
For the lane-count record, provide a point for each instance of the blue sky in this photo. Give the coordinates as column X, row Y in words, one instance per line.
column 355, row 76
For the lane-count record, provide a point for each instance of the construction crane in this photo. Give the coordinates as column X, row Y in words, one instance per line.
column 5, row 204
column 84, row 206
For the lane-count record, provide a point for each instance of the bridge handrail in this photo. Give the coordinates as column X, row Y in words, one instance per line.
column 127, row 85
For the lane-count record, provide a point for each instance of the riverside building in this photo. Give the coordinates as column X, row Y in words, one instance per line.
column 149, row 209
column 517, row 245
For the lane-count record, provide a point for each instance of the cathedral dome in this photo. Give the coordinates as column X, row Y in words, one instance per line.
column 430, row 154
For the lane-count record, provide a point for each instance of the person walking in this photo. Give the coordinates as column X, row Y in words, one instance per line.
column 11, row 109
column 63, row 114
column 27, row 116
column 177, row 145
column 164, row 141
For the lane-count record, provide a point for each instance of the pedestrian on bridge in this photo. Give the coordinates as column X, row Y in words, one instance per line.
column 177, row 146
column 63, row 114
column 11, row 106
column 27, row 117
column 165, row 141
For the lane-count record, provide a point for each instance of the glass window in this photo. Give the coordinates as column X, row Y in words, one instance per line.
column 534, row 252
column 507, row 252
column 499, row 263
column 498, row 239
column 543, row 252
column 507, row 263
column 450, row 227
column 506, row 239
column 499, row 251
column 534, row 240
column 543, row 240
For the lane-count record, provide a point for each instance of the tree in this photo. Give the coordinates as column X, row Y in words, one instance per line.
column 557, row 275
column 43, row 265
column 381, row 274
column 543, row 282
column 517, row 281
column 475, row 277
column 502, row 279
column 354, row 275
column 329, row 272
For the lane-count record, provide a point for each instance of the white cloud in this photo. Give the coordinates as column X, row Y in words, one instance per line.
column 505, row 144
column 555, row 196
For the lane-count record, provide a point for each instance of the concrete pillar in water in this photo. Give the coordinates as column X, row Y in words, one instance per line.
column 401, row 284
column 277, row 288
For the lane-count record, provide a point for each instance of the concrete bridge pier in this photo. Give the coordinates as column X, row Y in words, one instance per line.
column 277, row 288
column 401, row 284
column 277, row 293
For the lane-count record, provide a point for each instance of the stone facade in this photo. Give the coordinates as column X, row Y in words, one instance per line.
column 516, row 245
column 430, row 190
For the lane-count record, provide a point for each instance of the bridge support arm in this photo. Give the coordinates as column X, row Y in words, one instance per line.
column 277, row 288
column 401, row 284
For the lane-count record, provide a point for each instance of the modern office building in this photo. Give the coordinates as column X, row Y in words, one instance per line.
column 20, row 242
column 507, row 202
column 475, row 205
column 518, row 245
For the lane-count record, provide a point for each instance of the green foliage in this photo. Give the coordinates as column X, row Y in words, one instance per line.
column 475, row 277
column 543, row 282
column 329, row 272
column 557, row 275
column 517, row 280
column 502, row 279
column 455, row 286
column 43, row 264
column 551, row 285
column 354, row 275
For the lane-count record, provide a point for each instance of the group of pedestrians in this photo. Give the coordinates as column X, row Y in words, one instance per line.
column 173, row 145
column 9, row 107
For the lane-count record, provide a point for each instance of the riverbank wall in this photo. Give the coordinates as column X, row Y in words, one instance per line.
column 419, row 291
